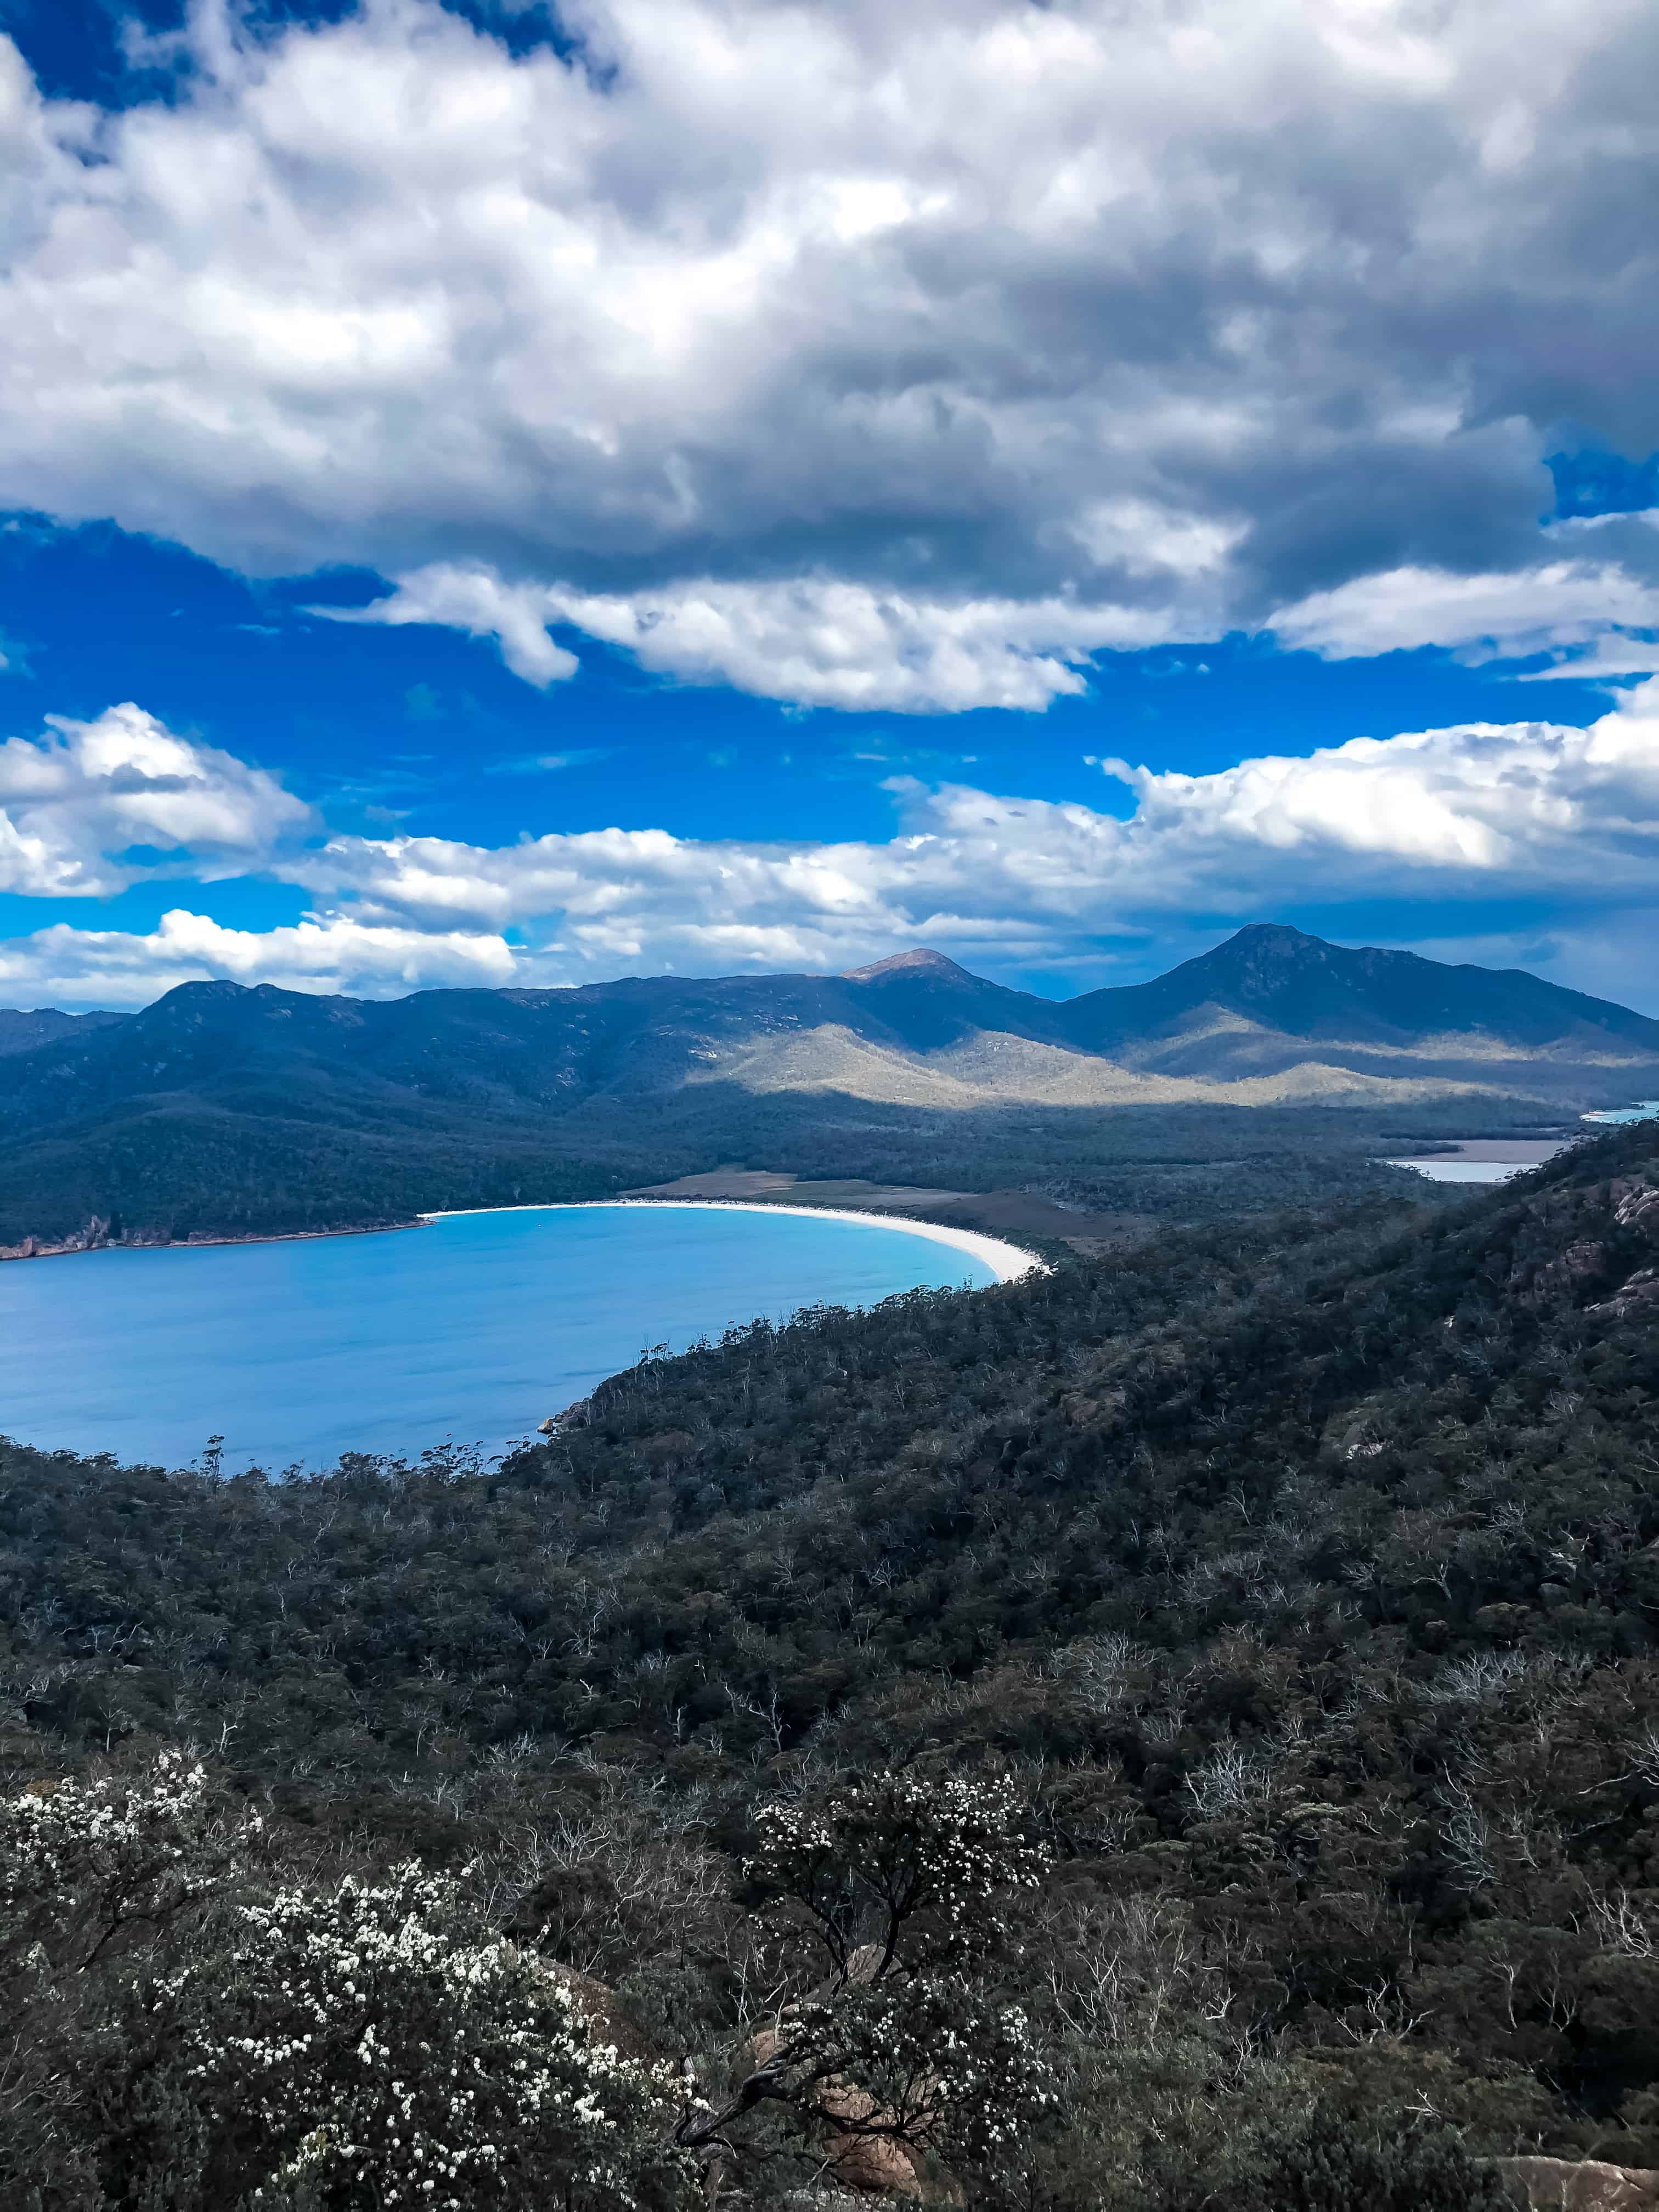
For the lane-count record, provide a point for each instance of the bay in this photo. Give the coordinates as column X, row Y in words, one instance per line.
column 1461, row 1171
column 470, row 1329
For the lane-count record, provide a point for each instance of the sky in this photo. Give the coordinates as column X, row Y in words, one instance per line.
column 494, row 492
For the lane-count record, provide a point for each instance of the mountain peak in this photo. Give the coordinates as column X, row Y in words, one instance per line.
column 1277, row 936
column 1355, row 999
column 921, row 961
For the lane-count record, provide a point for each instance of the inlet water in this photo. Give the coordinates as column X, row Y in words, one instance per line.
column 471, row 1329
column 1462, row 1170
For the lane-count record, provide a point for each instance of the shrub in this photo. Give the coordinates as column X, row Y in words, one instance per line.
column 382, row 2048
column 1339, row 2162
column 183, row 2036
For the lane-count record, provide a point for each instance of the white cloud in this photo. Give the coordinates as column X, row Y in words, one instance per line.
column 121, row 968
column 814, row 643
column 1475, row 818
column 853, row 353
column 474, row 600
column 1479, row 813
column 1561, row 607
column 97, row 806
column 1481, row 810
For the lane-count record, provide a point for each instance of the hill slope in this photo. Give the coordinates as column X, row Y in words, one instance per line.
column 227, row 1109
column 1306, row 1585
column 1260, row 1000
column 25, row 1032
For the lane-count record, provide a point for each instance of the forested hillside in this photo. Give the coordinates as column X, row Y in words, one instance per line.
column 22, row 1031
column 1296, row 1583
column 1267, row 1072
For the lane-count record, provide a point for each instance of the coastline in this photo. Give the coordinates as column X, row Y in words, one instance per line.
column 32, row 1250
column 1008, row 1262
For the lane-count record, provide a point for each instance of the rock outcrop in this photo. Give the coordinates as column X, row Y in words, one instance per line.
column 1559, row 2185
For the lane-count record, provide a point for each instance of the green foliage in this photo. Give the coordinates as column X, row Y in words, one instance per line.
column 190, row 2033
column 905, row 1886
column 906, row 1871
column 225, row 1112
column 1339, row 2162
column 103, row 1885
column 1292, row 1585
column 938, row 2066
column 381, row 2047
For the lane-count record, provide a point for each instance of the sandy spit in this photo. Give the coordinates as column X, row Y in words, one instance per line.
column 1008, row 1262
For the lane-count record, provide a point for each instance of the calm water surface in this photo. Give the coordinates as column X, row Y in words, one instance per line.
column 1476, row 1171
column 471, row 1329
column 1462, row 1170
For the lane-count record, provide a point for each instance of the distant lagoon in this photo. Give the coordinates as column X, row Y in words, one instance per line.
column 1512, row 1159
column 470, row 1329
column 1462, row 1170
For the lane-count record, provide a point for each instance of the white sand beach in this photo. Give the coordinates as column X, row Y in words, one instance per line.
column 1008, row 1262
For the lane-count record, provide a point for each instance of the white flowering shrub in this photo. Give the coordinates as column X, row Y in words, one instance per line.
column 906, row 1885
column 180, row 2037
column 86, row 1868
column 934, row 2065
column 103, row 1888
column 185, row 2036
column 382, row 2050
column 916, row 1868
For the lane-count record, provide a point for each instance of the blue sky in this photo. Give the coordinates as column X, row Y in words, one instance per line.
column 805, row 485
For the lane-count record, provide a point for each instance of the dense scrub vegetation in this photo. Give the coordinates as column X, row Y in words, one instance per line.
column 171, row 1167
column 179, row 1169
column 221, row 1111
column 1300, row 1579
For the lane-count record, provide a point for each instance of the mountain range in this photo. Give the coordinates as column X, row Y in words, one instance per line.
column 260, row 1106
column 23, row 1032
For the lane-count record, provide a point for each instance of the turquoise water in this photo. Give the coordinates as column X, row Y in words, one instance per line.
column 471, row 1329
column 1645, row 1110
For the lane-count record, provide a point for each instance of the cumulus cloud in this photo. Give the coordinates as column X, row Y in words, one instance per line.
column 1481, row 810
column 97, row 806
column 124, row 968
column 1587, row 614
column 1479, row 815
column 854, row 354
column 814, row 643
column 479, row 603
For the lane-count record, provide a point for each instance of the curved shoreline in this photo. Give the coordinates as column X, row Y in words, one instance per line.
column 1008, row 1262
